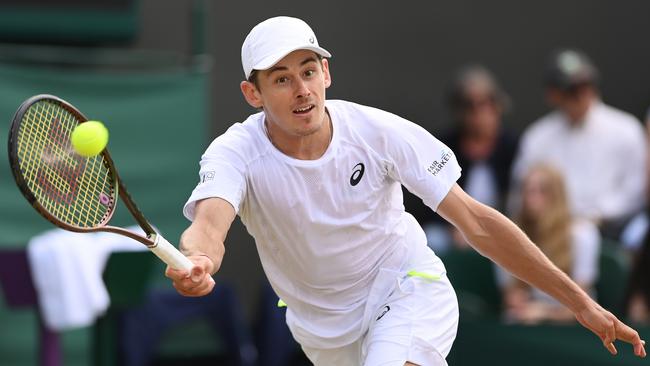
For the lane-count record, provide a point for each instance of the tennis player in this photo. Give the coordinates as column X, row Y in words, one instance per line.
column 317, row 183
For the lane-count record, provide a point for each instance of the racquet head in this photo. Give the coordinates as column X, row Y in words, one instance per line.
column 73, row 192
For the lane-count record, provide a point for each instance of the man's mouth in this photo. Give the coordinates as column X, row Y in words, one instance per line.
column 304, row 109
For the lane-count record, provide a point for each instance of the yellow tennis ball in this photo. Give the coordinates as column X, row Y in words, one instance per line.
column 89, row 138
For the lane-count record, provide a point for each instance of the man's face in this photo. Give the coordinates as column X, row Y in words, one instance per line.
column 574, row 102
column 292, row 93
column 481, row 112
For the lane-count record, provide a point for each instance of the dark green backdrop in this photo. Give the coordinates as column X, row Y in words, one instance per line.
column 157, row 125
column 157, row 121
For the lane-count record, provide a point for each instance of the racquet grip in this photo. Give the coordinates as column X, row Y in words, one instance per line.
column 170, row 255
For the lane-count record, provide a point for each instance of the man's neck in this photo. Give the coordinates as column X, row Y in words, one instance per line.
column 310, row 147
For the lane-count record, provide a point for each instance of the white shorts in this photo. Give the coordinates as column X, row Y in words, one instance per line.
column 417, row 323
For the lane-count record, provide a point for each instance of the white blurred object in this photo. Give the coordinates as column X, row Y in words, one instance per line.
column 67, row 270
column 635, row 231
column 438, row 237
column 481, row 184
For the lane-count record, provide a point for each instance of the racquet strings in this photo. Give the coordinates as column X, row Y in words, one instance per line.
column 76, row 190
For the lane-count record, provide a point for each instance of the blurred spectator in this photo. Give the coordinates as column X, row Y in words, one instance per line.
column 600, row 150
column 572, row 244
column 484, row 148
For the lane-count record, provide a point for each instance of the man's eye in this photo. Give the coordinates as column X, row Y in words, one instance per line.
column 282, row 80
column 309, row 73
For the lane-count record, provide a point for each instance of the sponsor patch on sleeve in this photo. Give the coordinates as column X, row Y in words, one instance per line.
column 437, row 165
column 206, row 176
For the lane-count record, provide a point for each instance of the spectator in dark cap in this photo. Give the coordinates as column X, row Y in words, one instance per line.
column 600, row 150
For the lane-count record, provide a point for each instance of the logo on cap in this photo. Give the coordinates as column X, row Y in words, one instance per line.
column 569, row 62
column 311, row 40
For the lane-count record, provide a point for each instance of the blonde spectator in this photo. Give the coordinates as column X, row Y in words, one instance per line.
column 572, row 244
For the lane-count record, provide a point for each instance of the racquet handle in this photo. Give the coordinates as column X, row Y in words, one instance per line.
column 170, row 255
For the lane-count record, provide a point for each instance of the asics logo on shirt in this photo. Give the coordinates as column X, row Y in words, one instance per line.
column 357, row 173
column 385, row 310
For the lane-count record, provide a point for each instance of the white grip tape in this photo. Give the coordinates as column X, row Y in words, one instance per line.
column 170, row 255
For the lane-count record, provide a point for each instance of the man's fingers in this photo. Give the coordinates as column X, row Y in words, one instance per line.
column 610, row 337
column 176, row 274
column 187, row 287
column 184, row 292
column 608, row 342
column 193, row 292
column 611, row 348
column 195, row 282
column 197, row 274
column 189, row 284
column 639, row 349
column 627, row 334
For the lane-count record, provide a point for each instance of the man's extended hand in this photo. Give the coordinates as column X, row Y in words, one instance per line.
column 608, row 328
column 197, row 282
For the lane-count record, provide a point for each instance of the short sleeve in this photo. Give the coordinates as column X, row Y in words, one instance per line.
column 422, row 163
column 222, row 174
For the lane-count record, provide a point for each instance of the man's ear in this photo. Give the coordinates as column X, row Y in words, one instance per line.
column 251, row 94
column 326, row 72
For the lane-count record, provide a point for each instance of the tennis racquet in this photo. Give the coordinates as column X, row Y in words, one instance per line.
column 73, row 192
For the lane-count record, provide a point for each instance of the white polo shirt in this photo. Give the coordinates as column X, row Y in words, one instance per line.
column 324, row 228
column 602, row 159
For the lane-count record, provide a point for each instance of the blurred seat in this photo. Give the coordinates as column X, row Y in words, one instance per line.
column 614, row 267
column 274, row 341
column 472, row 276
column 170, row 329
column 491, row 342
column 126, row 276
column 19, row 292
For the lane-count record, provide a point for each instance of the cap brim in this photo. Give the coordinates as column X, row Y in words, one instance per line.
column 271, row 60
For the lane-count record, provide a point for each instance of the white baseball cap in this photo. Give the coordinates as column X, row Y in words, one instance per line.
column 271, row 40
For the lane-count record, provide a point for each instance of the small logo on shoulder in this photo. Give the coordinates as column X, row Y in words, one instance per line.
column 357, row 174
column 383, row 312
column 207, row 176
column 437, row 165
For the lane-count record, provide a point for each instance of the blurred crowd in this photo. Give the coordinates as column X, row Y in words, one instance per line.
column 575, row 181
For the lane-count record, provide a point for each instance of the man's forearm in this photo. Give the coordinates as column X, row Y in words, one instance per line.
column 197, row 240
column 502, row 241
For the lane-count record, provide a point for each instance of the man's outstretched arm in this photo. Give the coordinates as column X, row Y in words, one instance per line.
column 203, row 244
column 499, row 239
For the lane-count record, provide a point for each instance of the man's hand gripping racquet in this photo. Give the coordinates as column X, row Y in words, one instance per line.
column 74, row 192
